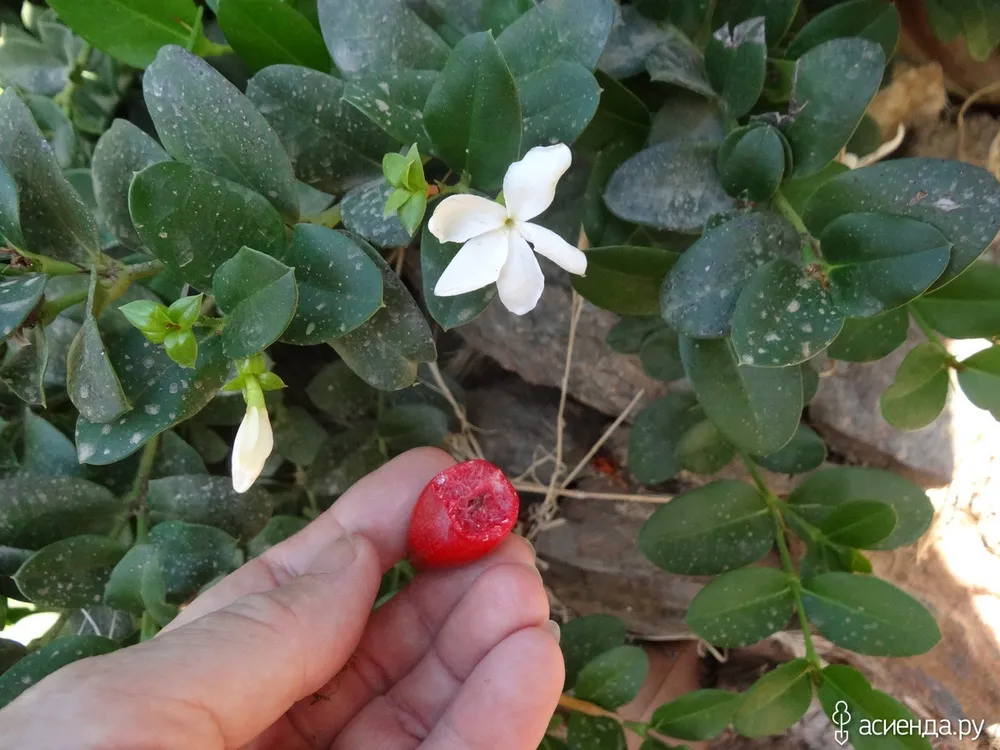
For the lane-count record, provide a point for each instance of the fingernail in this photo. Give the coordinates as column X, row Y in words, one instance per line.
column 336, row 556
column 553, row 627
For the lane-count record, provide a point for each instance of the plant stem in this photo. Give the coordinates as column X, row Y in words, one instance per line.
column 781, row 204
column 329, row 218
column 64, row 99
column 53, row 307
column 933, row 336
column 122, row 277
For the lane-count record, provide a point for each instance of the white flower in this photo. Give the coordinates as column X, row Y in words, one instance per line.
column 497, row 237
column 253, row 445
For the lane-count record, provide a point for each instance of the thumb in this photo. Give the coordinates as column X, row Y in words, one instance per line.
column 235, row 671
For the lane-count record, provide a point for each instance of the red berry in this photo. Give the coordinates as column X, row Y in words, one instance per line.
column 462, row 514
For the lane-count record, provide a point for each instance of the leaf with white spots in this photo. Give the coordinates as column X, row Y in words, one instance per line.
column 585, row 638
column 557, row 103
column 31, row 669
column 91, row 380
column 23, row 372
column 40, row 510
column 18, row 297
column 69, row 573
column 47, row 452
column 278, row 529
column 449, row 312
column 871, row 339
column 585, row 732
column 742, row 607
column 363, row 212
column 613, row 678
column 709, row 530
column 656, row 435
column 395, row 102
column 783, row 317
column 211, row 501
column 162, row 394
column 919, row 392
column 776, row 701
column 191, row 555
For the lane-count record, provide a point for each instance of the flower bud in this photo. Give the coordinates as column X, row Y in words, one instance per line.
column 254, row 441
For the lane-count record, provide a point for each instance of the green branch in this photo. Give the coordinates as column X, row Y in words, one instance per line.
column 53, row 307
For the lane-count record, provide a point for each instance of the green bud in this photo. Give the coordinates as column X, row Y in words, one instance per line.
column 181, row 347
column 149, row 317
column 398, row 197
column 394, row 167
column 254, row 365
column 186, row 311
column 414, row 180
column 412, row 212
column 269, row 381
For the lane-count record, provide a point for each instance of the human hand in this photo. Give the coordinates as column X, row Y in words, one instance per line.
column 285, row 653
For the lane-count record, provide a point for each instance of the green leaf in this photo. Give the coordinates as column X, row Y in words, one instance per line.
column 571, row 30
column 130, row 30
column 181, row 347
column 363, row 212
column 47, row 452
column 804, row 452
column 395, row 102
column 297, row 436
column 613, row 678
column 660, row 356
column 123, row 589
column 698, row 715
column 10, row 214
column 386, row 349
column 699, row 295
column 344, row 459
column 585, row 638
column 628, row 334
column 24, row 371
column 859, row 523
column 840, row 684
column 815, row 498
column 967, row 307
column 194, row 222
column 868, row 615
column 875, row 20
column 203, row 120
column 162, row 393
column 120, row 153
column 676, row 61
column 259, row 295
column 473, row 112
column 776, row 701
column 979, row 377
column 278, row 529
column 176, row 457
column 880, row 262
column 709, row 530
column 211, row 501
column 742, row 607
column 752, row 162
column 52, row 656
column 331, row 145
column 69, row 573
column 633, row 36
column 269, row 32
column 91, row 380
column 737, row 64
column 625, row 279
column 671, row 185
column 53, row 508
column 337, row 391
column 778, row 14
column 918, row 394
column 594, row 733
column 18, row 298
column 756, row 408
column 656, row 433
column 830, row 110
column 957, row 199
column 703, row 449
column 449, row 312
column 870, row 339
column 29, row 65
column 557, row 103
column 192, row 555
column 54, row 220
column 413, row 425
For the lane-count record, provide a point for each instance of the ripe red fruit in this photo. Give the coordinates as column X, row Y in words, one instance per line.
column 462, row 514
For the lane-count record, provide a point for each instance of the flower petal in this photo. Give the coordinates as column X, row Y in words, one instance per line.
column 253, row 444
column 521, row 281
column 555, row 248
column 530, row 184
column 476, row 265
column 461, row 217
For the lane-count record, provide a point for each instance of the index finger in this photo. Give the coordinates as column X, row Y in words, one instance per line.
column 378, row 507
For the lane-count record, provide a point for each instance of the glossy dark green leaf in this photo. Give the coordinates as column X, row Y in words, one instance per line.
column 270, row 32
column 698, row 715
column 958, row 199
column 211, row 501
column 804, row 452
column 258, row 295
column 30, row 65
column 859, row 523
column 69, row 573
column 278, row 529
column 194, row 222
column 967, row 307
column 752, row 162
column 834, row 83
column 741, row 607
column 594, row 733
column 737, row 64
column 297, row 435
column 448, row 312
column 162, row 394
column 176, row 457
column 977, row 23
column 413, row 425
column 123, row 589
column 473, row 112
column 39, row 664
column 497, row 15
column 332, row 146
column 660, row 356
column 672, row 185
column 798, row 191
column 979, row 378
column 776, row 701
column 192, row 555
column 709, row 530
column 54, row 220
column 395, row 102
column 363, row 212
column 625, row 279
column 823, row 491
column 91, row 380
column 658, row 428
column 344, row 459
column 868, row 615
column 875, row 20
column 10, row 213
column 585, row 638
column 18, row 298
column 203, row 120
column 870, row 339
column 339, row 392
column 880, row 262
column 700, row 293
column 620, row 116
column 918, row 394
column 379, row 37
column 756, row 408
column 386, row 349
column 778, row 14
column 47, row 452
column 557, row 103
column 24, row 370
column 53, row 508
column 703, row 449
column 633, row 36
column 613, row 678
column 627, row 335
column 676, row 61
